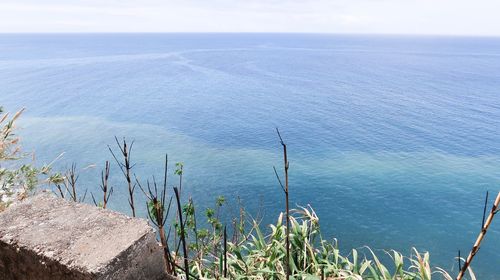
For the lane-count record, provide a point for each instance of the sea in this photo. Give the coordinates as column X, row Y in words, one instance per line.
column 393, row 140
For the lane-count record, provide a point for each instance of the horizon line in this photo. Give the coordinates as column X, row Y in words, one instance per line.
column 249, row 33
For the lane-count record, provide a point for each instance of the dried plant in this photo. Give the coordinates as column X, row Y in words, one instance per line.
column 287, row 209
column 19, row 179
column 158, row 212
column 484, row 228
column 182, row 233
column 106, row 190
column 126, row 167
column 70, row 184
column 9, row 142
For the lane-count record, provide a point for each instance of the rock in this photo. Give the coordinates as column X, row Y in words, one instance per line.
column 45, row 237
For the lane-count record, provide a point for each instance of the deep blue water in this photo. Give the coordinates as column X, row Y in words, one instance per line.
column 393, row 140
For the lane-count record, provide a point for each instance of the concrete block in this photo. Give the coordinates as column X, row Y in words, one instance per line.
column 45, row 237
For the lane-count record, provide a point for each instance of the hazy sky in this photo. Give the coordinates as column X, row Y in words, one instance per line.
column 452, row 17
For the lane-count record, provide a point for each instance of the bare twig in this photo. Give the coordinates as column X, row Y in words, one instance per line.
column 70, row 182
column 279, row 179
column 158, row 213
column 59, row 188
column 480, row 237
column 285, row 189
column 484, row 209
column 104, row 185
column 225, row 252
column 182, row 235
column 107, row 192
column 82, row 199
column 125, row 167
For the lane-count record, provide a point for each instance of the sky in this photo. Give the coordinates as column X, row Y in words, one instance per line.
column 433, row 17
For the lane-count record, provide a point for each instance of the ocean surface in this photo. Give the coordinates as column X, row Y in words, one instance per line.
column 393, row 140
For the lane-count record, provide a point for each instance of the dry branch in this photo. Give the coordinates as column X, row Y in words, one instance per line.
column 484, row 229
column 285, row 189
column 126, row 167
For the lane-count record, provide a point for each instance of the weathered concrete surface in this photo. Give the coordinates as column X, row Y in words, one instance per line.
column 45, row 237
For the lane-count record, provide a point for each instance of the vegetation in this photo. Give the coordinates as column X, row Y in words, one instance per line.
column 259, row 256
column 18, row 177
column 254, row 252
column 293, row 247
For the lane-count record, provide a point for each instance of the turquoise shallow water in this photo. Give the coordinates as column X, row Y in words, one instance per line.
column 392, row 139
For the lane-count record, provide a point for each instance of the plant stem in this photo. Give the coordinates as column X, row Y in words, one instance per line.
column 182, row 235
column 225, row 252
column 480, row 237
column 285, row 188
column 125, row 167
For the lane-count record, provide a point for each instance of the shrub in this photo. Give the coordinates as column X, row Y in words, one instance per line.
column 18, row 179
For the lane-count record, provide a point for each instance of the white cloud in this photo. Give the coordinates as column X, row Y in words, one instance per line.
column 457, row 17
